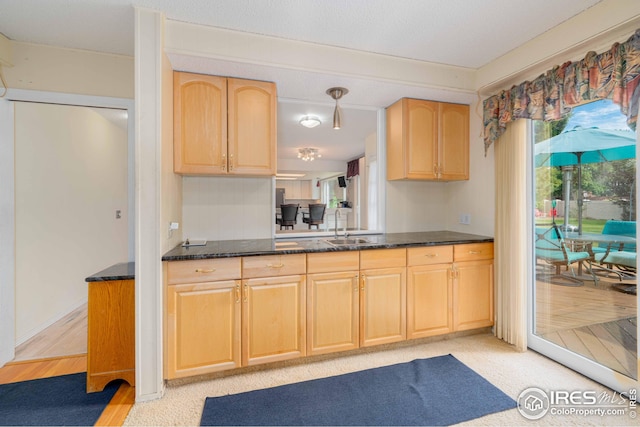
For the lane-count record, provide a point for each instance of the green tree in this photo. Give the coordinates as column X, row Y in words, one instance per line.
column 621, row 182
column 548, row 185
column 544, row 130
column 548, row 180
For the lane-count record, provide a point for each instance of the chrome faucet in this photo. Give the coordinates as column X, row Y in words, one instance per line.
column 336, row 216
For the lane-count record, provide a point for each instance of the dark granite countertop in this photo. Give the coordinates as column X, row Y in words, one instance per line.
column 233, row 248
column 121, row 271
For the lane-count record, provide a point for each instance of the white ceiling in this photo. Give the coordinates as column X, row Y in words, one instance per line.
column 464, row 33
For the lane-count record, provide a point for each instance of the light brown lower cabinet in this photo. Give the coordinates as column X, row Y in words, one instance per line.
column 383, row 296
column 273, row 319
column 251, row 310
column 333, row 312
column 473, row 295
column 450, row 288
column 333, row 300
column 429, row 291
column 203, row 328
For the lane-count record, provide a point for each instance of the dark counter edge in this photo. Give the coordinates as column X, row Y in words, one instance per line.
column 235, row 248
column 120, row 271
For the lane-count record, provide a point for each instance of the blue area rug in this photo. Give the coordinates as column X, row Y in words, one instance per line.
column 436, row 391
column 55, row 401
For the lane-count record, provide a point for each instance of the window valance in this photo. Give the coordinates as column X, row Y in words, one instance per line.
column 614, row 74
column 353, row 168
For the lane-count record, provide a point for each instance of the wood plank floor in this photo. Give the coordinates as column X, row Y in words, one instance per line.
column 597, row 322
column 68, row 336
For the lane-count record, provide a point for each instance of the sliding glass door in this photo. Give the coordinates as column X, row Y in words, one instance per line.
column 583, row 298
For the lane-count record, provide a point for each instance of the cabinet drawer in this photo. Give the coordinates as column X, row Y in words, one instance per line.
column 203, row 270
column 329, row 262
column 473, row 252
column 383, row 258
column 428, row 255
column 273, row 265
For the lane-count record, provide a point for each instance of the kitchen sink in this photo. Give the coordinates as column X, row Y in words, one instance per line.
column 348, row 241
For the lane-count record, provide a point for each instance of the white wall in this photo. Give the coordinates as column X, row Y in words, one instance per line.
column 54, row 69
column 71, row 177
column 475, row 197
column 7, row 231
column 171, row 182
column 415, row 206
column 220, row 208
column 150, row 90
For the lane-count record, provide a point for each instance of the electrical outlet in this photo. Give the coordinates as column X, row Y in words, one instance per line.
column 173, row 226
column 465, row 218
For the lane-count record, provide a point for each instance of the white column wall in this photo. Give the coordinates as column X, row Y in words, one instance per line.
column 7, row 231
column 148, row 154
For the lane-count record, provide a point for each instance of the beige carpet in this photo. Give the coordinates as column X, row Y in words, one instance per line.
column 495, row 360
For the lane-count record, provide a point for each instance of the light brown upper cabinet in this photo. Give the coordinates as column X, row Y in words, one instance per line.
column 427, row 140
column 223, row 126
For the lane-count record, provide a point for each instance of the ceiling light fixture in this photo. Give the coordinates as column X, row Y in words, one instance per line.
column 290, row 175
column 308, row 154
column 337, row 93
column 310, row 121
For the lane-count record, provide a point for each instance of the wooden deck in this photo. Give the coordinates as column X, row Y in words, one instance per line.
column 597, row 322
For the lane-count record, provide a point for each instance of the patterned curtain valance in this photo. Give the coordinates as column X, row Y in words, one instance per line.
column 614, row 74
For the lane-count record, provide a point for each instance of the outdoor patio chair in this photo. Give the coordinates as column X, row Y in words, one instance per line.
column 616, row 259
column 620, row 228
column 551, row 248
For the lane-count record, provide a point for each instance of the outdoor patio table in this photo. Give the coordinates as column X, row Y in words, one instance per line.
column 585, row 241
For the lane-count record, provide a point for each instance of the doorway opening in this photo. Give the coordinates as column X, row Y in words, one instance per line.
column 584, row 307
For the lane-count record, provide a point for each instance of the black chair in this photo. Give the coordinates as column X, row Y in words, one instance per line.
column 288, row 216
column 315, row 215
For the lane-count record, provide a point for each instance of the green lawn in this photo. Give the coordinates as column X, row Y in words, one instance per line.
column 588, row 225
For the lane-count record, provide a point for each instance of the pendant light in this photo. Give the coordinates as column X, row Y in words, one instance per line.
column 337, row 93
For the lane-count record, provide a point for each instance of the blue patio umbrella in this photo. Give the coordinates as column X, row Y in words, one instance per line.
column 579, row 146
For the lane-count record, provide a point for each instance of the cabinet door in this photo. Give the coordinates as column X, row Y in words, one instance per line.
column 305, row 189
column 473, row 294
column 332, row 312
column 252, row 127
column 421, row 133
column 383, row 306
column 203, row 328
column 454, row 142
column 429, row 297
column 273, row 319
column 200, row 124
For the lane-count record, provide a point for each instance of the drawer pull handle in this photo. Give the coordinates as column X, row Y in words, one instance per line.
column 431, row 255
column 475, row 252
column 205, row 270
column 275, row 265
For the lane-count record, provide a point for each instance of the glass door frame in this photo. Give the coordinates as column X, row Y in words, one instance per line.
column 597, row 372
